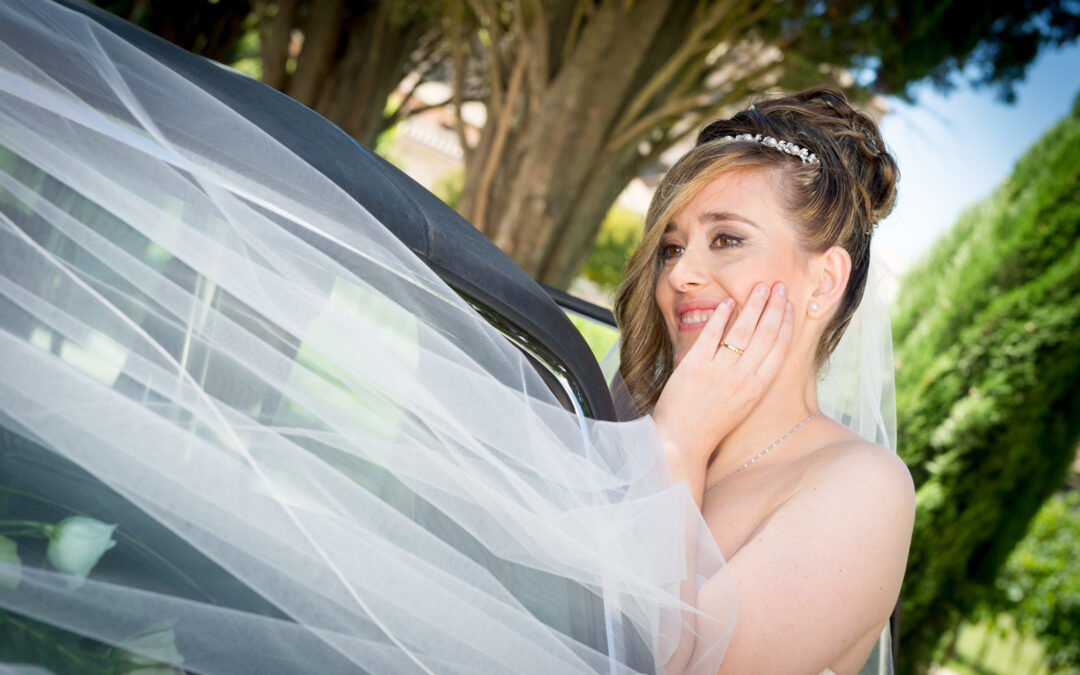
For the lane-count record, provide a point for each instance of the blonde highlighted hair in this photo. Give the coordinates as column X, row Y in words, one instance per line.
column 833, row 202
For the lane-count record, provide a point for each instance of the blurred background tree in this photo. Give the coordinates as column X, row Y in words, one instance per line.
column 342, row 58
column 988, row 359
column 581, row 95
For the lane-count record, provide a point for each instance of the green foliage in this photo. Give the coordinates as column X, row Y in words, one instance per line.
column 619, row 234
column 448, row 187
column 600, row 337
column 989, row 43
column 384, row 146
column 246, row 57
column 993, row 646
column 1040, row 585
column 987, row 363
column 24, row 640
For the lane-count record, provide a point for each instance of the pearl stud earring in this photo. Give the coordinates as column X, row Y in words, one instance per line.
column 813, row 306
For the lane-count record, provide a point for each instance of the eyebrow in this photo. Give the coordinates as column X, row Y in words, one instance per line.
column 721, row 216
column 716, row 217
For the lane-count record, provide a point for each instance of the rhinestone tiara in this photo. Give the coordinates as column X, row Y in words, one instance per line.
column 783, row 146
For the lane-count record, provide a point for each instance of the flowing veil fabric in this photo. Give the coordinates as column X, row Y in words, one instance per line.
column 313, row 465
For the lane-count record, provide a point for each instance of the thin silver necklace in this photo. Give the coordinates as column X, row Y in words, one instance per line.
column 762, row 453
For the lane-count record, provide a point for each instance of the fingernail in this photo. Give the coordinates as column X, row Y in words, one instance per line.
column 728, row 303
column 761, row 289
column 790, row 308
column 781, row 289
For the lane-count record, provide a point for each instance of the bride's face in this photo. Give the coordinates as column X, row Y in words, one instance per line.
column 732, row 236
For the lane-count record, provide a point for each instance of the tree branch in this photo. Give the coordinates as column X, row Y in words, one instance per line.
column 643, row 126
column 730, row 12
column 424, row 108
column 539, row 64
column 321, row 37
column 494, row 57
column 693, row 46
column 457, row 55
column 739, row 92
column 426, row 65
column 502, row 128
column 275, row 43
column 701, row 101
column 581, row 10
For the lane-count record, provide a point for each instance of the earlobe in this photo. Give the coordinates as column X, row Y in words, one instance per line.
column 831, row 271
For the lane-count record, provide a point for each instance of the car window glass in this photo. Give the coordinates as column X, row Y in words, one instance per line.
column 602, row 338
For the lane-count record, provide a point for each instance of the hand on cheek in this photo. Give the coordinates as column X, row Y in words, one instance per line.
column 723, row 376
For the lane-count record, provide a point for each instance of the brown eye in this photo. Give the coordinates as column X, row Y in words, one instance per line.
column 726, row 241
column 668, row 251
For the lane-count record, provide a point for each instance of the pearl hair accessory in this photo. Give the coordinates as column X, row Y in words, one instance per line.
column 783, row 146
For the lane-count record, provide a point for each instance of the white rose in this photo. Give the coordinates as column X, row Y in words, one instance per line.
column 161, row 643
column 76, row 544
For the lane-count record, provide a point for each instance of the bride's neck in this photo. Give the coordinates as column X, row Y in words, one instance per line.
column 789, row 400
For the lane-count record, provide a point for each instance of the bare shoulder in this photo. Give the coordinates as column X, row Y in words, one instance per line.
column 819, row 576
column 863, row 491
column 854, row 468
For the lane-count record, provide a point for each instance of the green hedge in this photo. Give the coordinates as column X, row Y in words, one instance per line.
column 619, row 234
column 1040, row 584
column 988, row 361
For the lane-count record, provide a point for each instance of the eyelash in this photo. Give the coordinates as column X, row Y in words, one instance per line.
column 665, row 253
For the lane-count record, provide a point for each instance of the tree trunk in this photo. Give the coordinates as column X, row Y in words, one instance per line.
column 553, row 179
column 354, row 53
column 570, row 245
column 608, row 86
column 376, row 59
column 274, row 43
column 210, row 28
column 322, row 35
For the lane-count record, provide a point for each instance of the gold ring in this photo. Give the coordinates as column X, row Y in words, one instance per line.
column 732, row 348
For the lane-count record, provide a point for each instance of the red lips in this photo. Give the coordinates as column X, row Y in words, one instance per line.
column 690, row 306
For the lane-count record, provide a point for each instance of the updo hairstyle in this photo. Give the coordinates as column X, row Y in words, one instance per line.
column 835, row 201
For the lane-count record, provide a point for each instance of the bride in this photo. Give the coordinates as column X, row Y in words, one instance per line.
column 813, row 519
column 226, row 449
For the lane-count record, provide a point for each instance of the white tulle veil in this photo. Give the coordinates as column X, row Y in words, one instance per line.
column 313, row 465
column 856, row 385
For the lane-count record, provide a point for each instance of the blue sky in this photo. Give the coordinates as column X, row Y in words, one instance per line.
column 955, row 148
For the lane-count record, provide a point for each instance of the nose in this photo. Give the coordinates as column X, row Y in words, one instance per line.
column 688, row 270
